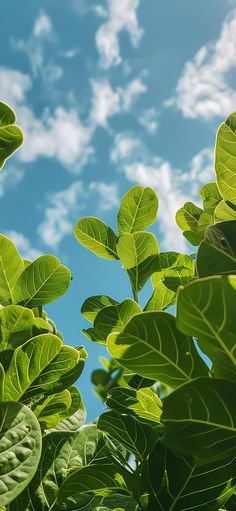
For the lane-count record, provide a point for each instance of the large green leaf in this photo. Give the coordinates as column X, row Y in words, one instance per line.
column 136, row 436
column 192, row 487
column 210, row 195
column 137, row 253
column 96, row 236
column 11, row 266
column 138, row 210
column 223, row 212
column 173, row 269
column 225, row 157
column 94, row 304
column 206, row 310
column 11, row 136
column 86, row 488
column 20, row 449
column 112, row 319
column 141, row 403
column 217, row 253
column 151, row 346
column 16, row 324
column 200, row 420
column 41, row 366
column 43, row 281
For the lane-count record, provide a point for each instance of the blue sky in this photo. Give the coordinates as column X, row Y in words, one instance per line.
column 110, row 93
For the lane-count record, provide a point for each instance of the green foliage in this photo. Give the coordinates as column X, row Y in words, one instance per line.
column 167, row 438
column 11, row 136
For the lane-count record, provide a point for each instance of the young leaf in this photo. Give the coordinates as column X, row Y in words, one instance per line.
column 11, row 266
column 142, row 403
column 96, row 236
column 200, row 421
column 217, row 253
column 20, row 449
column 225, row 159
column 137, row 253
column 138, row 210
column 43, row 281
column 206, row 310
column 151, row 346
column 94, row 304
column 11, row 136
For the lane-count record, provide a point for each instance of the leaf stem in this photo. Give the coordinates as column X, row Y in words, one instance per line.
column 135, row 293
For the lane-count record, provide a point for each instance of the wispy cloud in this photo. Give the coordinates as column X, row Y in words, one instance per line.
column 24, row 246
column 149, row 120
column 204, row 89
column 107, row 194
column 122, row 15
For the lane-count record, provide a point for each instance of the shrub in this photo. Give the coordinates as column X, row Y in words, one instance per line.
column 167, row 441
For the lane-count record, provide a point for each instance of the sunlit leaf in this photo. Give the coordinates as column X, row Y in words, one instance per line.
column 225, row 156
column 142, row 403
column 96, row 236
column 217, row 253
column 210, row 195
column 94, row 304
column 224, row 212
column 11, row 136
column 11, row 266
column 138, row 210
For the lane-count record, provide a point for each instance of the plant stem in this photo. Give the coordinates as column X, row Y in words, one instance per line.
column 135, row 293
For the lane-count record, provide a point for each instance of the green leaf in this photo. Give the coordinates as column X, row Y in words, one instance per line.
column 86, row 488
column 142, row 403
column 223, row 212
column 208, row 486
column 200, row 421
column 136, row 436
column 113, row 319
column 11, row 136
column 161, row 298
column 43, row 281
column 76, row 415
column 206, row 310
column 20, row 449
column 225, row 156
column 11, row 266
column 188, row 216
column 151, row 346
column 41, row 366
column 53, row 408
column 138, row 210
column 16, row 324
column 137, row 253
column 217, row 253
column 94, row 304
column 97, row 237
column 210, row 195
column 173, row 269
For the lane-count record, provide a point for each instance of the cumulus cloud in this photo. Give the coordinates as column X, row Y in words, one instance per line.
column 24, row 246
column 107, row 194
column 122, row 15
column 173, row 187
column 204, row 88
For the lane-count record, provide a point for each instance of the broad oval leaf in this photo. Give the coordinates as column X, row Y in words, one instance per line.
column 217, row 253
column 200, row 420
column 16, row 325
column 97, row 237
column 11, row 136
column 41, row 366
column 223, row 212
column 94, row 304
column 151, row 346
column 11, row 266
column 141, row 403
column 210, row 195
column 225, row 156
column 53, row 409
column 20, row 449
column 43, row 281
column 206, row 310
column 138, row 210
column 173, row 269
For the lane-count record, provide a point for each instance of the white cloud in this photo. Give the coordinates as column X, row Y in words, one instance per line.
column 10, row 178
column 14, row 86
column 132, row 92
column 107, row 193
column 204, row 88
column 122, row 16
column 124, row 148
column 43, row 26
column 201, row 170
column 23, row 245
column 149, row 121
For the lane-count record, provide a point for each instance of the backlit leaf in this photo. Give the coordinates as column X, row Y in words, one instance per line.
column 11, row 266
column 96, row 236
column 11, row 136
column 138, row 210
column 225, row 157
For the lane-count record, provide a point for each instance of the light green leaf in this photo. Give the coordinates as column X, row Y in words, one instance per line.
column 96, row 236
column 142, row 403
column 225, row 156
column 94, row 304
column 200, row 420
column 113, row 319
column 20, row 449
column 43, row 281
column 188, row 216
column 161, row 298
column 16, row 324
column 52, row 409
column 11, row 136
column 76, row 414
column 173, row 269
column 41, row 366
column 217, row 253
column 11, row 266
column 151, row 346
column 138, row 210
column 137, row 253
column 210, row 195
column 208, row 486
column 136, row 436
column 86, row 488
column 224, row 212
column 206, row 310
